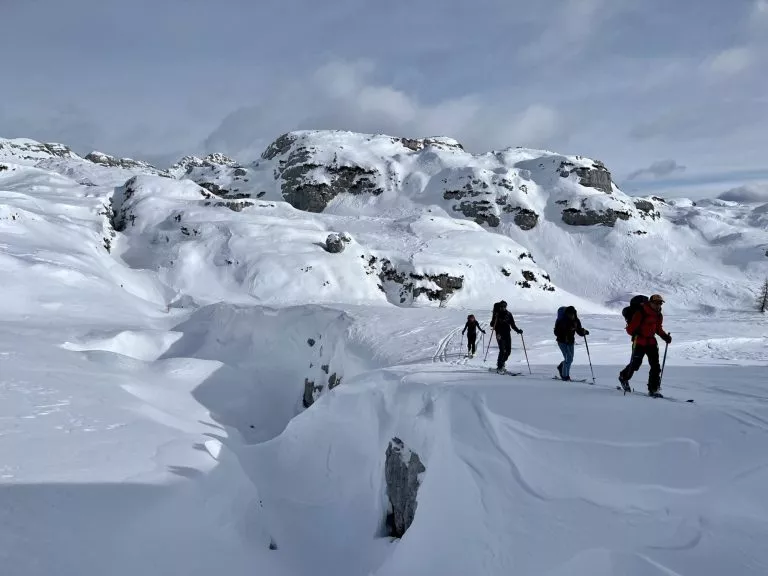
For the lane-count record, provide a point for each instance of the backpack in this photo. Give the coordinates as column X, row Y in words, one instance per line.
column 560, row 313
column 496, row 309
column 635, row 305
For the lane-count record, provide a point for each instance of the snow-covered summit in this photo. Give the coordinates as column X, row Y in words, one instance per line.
column 128, row 163
column 316, row 170
column 29, row 152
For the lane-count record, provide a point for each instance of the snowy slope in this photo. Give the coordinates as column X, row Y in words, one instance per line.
column 206, row 389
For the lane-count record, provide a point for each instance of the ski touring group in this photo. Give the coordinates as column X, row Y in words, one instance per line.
column 644, row 321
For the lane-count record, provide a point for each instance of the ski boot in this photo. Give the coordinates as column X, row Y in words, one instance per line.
column 625, row 384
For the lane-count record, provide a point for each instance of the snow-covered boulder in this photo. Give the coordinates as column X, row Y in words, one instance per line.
column 402, row 471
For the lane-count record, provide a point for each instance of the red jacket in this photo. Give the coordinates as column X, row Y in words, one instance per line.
column 644, row 326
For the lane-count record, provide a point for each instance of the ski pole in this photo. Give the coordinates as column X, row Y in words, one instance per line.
column 663, row 363
column 489, row 346
column 590, row 359
column 526, row 353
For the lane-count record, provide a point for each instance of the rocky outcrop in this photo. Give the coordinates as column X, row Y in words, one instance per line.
column 413, row 285
column 418, row 144
column 597, row 176
column 312, row 192
column 647, row 209
column 128, row 163
column 312, row 390
column 586, row 217
column 402, row 470
column 335, row 243
column 481, row 211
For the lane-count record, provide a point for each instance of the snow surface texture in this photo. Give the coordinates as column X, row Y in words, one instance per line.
column 155, row 379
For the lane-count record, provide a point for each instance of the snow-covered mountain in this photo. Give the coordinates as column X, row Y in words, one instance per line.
column 240, row 368
column 424, row 222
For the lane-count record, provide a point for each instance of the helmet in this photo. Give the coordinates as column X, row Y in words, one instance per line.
column 656, row 298
column 503, row 303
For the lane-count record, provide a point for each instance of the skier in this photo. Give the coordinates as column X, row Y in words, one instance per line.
column 567, row 326
column 471, row 328
column 645, row 324
column 503, row 323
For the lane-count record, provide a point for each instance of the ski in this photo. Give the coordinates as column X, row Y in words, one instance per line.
column 571, row 380
column 659, row 396
column 505, row 373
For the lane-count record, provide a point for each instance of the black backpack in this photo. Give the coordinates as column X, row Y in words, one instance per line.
column 496, row 309
column 635, row 305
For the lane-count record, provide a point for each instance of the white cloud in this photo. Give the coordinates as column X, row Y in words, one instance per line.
column 343, row 95
column 730, row 62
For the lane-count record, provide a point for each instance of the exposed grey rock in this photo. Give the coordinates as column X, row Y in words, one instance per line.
column 401, row 471
column 418, row 144
column 412, row 283
column 335, row 243
column 280, row 146
column 644, row 205
column 524, row 218
column 585, row 217
column 311, row 392
column 303, row 193
column 597, row 176
column 647, row 209
column 481, row 211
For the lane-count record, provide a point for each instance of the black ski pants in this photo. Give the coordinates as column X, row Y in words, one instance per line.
column 471, row 342
column 504, row 340
column 638, row 352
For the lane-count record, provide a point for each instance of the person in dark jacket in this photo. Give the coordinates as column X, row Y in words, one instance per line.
column 503, row 323
column 567, row 326
column 471, row 328
column 645, row 324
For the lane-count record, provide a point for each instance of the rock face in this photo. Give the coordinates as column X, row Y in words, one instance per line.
column 401, row 470
column 304, row 189
column 586, row 217
column 597, row 176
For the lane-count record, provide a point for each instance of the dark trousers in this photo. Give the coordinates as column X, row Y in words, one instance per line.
column 504, row 340
column 652, row 351
column 471, row 342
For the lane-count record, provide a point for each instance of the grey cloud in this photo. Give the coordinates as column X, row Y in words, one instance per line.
column 658, row 169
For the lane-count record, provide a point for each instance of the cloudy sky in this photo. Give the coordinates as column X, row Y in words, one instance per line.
column 665, row 92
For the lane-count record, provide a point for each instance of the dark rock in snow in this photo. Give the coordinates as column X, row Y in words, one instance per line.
column 585, row 217
column 401, row 470
column 597, row 176
column 335, row 243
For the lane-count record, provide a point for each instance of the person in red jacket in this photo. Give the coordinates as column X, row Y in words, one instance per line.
column 646, row 323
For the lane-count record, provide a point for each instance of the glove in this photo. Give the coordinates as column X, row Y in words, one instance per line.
column 519, row 330
column 668, row 339
column 586, row 332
